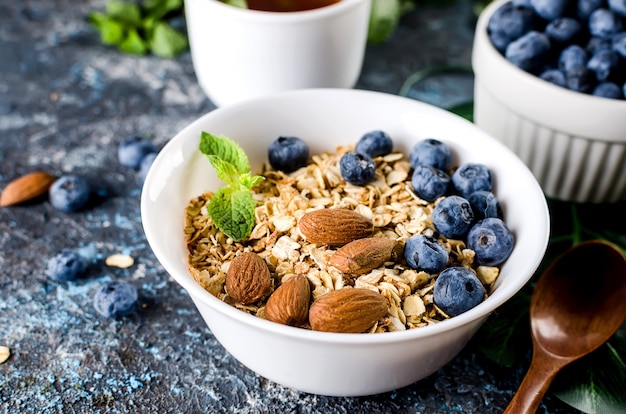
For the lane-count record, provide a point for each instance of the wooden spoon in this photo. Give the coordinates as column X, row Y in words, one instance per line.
column 578, row 303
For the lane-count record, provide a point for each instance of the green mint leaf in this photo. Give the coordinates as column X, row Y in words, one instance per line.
column 384, row 17
column 167, row 42
column 225, row 171
column 111, row 32
column 233, row 212
column 157, row 9
column 127, row 13
column 250, row 181
column 225, row 149
column 133, row 44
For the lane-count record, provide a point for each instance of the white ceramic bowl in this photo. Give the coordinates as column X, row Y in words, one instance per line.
column 575, row 144
column 331, row 363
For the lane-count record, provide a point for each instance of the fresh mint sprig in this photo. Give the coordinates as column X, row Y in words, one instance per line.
column 231, row 208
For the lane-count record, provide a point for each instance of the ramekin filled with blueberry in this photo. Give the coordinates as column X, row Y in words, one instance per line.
column 551, row 84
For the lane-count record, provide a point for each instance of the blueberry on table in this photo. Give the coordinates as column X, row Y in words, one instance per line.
column 491, row 240
column 67, row 265
column 529, row 51
column 133, row 149
column 471, row 177
column 429, row 182
column 457, row 290
column 357, row 168
column 453, row 217
column 375, row 144
column 69, row 193
column 288, row 154
column 425, row 253
column 145, row 165
column 485, row 204
column 115, row 299
column 431, row 152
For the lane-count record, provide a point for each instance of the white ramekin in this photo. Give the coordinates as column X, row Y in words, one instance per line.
column 575, row 144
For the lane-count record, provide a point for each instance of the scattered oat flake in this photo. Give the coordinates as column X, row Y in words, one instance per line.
column 5, row 353
column 119, row 260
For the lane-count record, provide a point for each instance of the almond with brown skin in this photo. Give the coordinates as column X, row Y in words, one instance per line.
column 248, row 279
column 363, row 255
column 289, row 304
column 347, row 310
column 26, row 187
column 334, row 226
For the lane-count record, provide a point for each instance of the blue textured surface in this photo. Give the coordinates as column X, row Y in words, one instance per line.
column 65, row 104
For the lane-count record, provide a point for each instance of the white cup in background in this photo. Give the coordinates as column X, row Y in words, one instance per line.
column 240, row 54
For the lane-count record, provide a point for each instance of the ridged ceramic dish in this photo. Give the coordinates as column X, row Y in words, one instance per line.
column 575, row 144
column 321, row 362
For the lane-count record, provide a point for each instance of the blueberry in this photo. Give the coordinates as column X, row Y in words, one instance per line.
column 608, row 90
column 529, row 51
column 604, row 23
column 554, row 76
column 69, row 193
column 457, row 290
column 491, row 240
column 584, row 8
column 429, row 182
column 563, row 30
column 472, row 177
column 499, row 40
column 618, row 44
column 572, row 57
column 67, row 265
column 597, row 43
column 485, row 204
column 618, row 7
column 145, row 165
column 453, row 217
column 511, row 21
column 115, row 299
column 425, row 253
column 375, row 144
column 288, row 154
column 431, row 152
column 605, row 64
column 357, row 168
column 131, row 151
column 579, row 80
column 549, row 9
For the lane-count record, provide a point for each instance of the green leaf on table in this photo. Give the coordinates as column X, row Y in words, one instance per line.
column 596, row 383
column 157, row 9
column 167, row 42
column 384, row 17
column 465, row 110
column 133, row 43
column 111, row 31
column 123, row 12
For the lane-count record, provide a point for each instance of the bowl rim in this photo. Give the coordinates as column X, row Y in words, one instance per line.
column 599, row 118
column 199, row 293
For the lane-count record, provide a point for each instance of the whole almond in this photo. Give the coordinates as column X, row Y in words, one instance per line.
column 363, row 255
column 348, row 310
column 26, row 187
column 289, row 304
column 334, row 226
column 248, row 278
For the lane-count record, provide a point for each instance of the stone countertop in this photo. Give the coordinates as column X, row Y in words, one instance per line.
column 65, row 104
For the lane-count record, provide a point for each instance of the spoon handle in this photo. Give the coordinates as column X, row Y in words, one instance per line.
column 543, row 369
